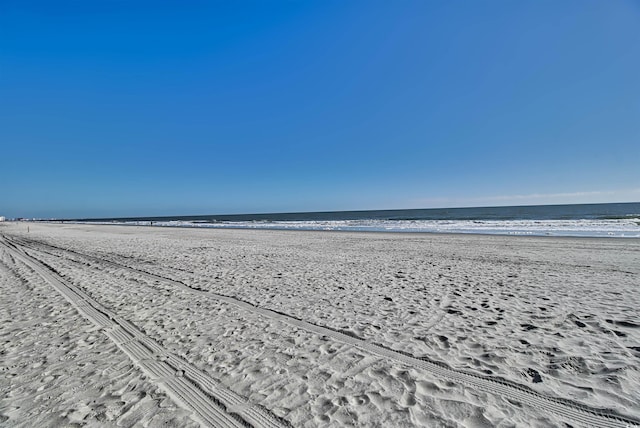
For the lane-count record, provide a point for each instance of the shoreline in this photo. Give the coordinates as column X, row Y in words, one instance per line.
column 391, row 232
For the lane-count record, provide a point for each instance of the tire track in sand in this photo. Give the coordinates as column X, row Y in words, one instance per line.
column 212, row 404
column 568, row 410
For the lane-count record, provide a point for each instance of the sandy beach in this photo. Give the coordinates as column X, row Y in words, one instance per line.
column 148, row 326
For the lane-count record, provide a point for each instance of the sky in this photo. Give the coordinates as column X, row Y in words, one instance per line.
column 138, row 108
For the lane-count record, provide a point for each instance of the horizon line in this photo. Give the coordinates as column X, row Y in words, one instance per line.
column 316, row 212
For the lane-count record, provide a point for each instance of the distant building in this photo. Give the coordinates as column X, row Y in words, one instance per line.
column 2, row 218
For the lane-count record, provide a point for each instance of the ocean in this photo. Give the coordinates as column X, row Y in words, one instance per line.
column 620, row 220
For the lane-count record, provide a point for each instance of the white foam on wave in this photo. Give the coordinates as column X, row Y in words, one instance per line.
column 619, row 228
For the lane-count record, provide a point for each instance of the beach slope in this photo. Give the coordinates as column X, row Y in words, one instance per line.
column 123, row 325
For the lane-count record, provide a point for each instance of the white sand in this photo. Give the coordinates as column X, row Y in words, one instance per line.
column 314, row 328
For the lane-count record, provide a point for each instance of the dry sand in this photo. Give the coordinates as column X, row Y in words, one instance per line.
column 122, row 326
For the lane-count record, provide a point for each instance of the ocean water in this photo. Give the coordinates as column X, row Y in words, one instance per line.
column 620, row 220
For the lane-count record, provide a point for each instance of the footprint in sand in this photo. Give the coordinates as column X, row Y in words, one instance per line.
column 359, row 400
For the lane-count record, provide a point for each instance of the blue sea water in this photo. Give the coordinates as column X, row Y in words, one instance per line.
column 590, row 220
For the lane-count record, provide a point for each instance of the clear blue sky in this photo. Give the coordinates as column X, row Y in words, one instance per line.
column 120, row 108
